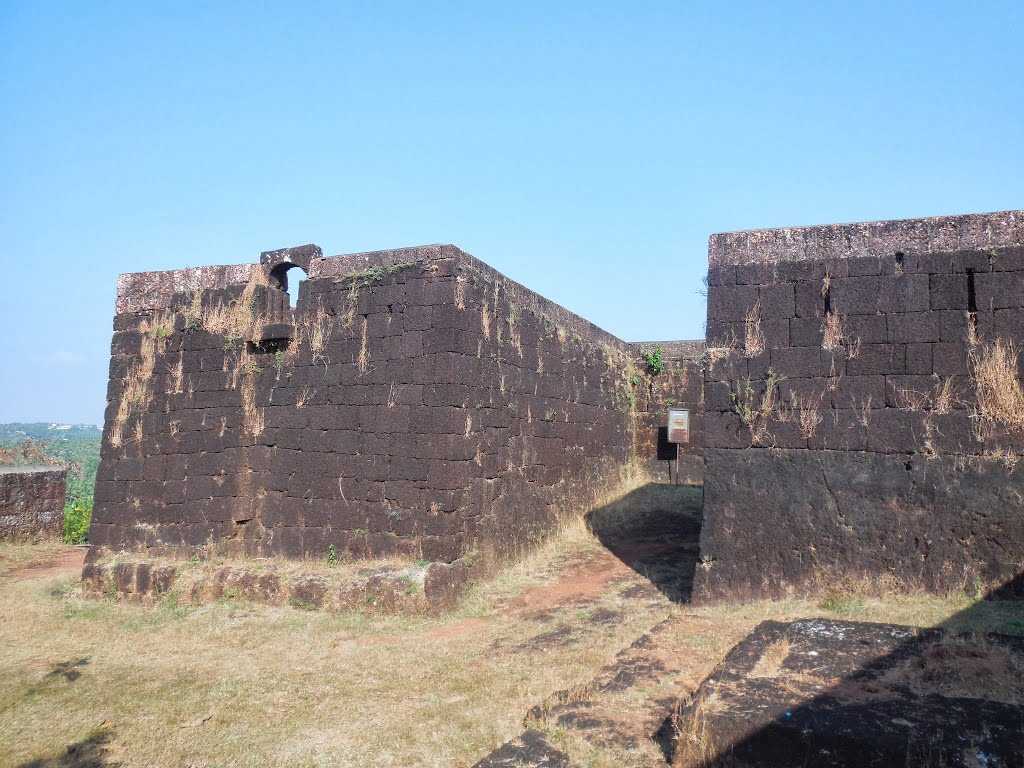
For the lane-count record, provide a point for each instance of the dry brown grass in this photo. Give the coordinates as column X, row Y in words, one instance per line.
column 833, row 332
column 753, row 337
column 229, row 684
column 940, row 400
column 513, row 329
column 177, row 372
column 233, row 683
column 912, row 400
column 971, row 335
column 695, row 747
column 363, row 359
column 853, row 348
column 943, row 397
column 1008, row 457
column 317, row 328
column 16, row 556
column 351, row 304
column 756, row 410
column 864, row 412
column 237, row 319
column 810, row 417
column 253, row 417
column 770, row 663
column 136, row 392
column 485, row 320
column 460, row 292
column 193, row 313
column 1000, row 395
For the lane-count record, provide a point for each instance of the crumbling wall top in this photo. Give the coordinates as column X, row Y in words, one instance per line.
column 976, row 231
column 145, row 291
column 298, row 256
column 346, row 264
column 688, row 349
column 31, row 469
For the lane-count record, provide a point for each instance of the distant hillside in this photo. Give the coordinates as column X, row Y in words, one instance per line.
column 78, row 443
column 16, row 431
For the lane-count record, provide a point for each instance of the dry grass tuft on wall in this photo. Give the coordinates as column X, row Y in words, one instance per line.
column 753, row 337
column 238, row 319
column 833, row 332
column 136, row 393
column 1000, row 395
column 317, row 330
column 756, row 410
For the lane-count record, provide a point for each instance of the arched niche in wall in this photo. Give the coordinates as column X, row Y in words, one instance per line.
column 280, row 266
column 288, row 277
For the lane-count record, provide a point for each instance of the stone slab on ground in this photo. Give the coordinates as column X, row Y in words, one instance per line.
column 827, row 693
column 376, row 586
column 625, row 712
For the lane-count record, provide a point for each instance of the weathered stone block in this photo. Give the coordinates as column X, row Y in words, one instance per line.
column 32, row 501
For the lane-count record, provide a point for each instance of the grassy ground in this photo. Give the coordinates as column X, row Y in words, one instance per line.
column 231, row 684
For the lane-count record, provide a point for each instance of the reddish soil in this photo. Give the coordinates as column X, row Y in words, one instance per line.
column 67, row 562
column 582, row 581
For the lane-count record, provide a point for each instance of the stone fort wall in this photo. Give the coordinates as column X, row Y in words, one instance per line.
column 680, row 385
column 415, row 402
column 854, row 423
column 31, row 501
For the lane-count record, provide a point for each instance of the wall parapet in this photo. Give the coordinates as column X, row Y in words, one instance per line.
column 861, row 406
column 149, row 291
column 976, row 231
column 683, row 349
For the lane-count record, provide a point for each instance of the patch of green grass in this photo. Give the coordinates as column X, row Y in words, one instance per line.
column 842, row 603
column 1013, row 627
column 302, row 604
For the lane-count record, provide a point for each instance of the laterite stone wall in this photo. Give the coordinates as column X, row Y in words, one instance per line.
column 31, row 502
column 680, row 385
column 415, row 402
column 847, row 434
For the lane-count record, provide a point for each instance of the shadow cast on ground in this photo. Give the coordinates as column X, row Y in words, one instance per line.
column 91, row 752
column 655, row 530
column 833, row 729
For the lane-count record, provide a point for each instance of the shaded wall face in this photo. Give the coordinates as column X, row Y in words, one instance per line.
column 680, row 385
column 426, row 409
column 849, row 427
column 31, row 503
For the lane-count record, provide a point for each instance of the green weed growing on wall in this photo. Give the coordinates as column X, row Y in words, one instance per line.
column 655, row 361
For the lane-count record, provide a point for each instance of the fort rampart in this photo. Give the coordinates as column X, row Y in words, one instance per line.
column 414, row 402
column 864, row 416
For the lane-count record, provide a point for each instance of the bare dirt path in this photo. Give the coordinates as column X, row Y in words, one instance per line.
column 66, row 561
column 583, row 580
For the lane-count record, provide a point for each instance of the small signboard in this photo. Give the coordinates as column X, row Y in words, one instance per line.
column 678, row 425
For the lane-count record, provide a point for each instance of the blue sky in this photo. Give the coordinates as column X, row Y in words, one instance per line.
column 586, row 150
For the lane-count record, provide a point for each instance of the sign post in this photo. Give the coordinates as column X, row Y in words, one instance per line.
column 678, row 430
column 678, row 426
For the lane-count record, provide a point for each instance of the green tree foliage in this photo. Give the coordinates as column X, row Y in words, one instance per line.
column 76, row 447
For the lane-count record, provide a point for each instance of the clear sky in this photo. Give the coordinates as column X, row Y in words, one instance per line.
column 584, row 149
